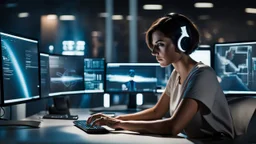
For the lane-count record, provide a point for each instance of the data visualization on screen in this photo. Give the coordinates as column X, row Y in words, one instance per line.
column 66, row 75
column 135, row 77
column 94, row 71
column 235, row 65
column 20, row 72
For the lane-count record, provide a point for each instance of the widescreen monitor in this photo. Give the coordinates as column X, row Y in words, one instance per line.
column 135, row 77
column 19, row 69
column 202, row 55
column 235, row 65
column 94, row 75
column 66, row 75
column 45, row 75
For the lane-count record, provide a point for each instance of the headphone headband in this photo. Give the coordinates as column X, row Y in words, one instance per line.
column 182, row 31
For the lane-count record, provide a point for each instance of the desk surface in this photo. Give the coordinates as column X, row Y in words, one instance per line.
column 64, row 131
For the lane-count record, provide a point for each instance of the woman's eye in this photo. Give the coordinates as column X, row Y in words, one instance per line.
column 160, row 45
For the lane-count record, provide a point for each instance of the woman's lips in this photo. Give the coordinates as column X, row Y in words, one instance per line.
column 158, row 59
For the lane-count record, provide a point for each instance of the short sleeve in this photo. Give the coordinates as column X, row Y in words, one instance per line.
column 202, row 86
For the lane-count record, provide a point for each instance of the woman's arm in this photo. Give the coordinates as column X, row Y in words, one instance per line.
column 156, row 112
column 174, row 125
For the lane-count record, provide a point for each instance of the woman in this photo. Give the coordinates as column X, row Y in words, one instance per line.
column 193, row 95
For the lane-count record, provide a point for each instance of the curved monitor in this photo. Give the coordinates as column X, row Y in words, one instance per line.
column 19, row 69
column 45, row 74
column 66, row 75
column 235, row 65
column 135, row 77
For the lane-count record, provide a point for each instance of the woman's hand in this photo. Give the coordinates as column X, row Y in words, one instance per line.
column 101, row 119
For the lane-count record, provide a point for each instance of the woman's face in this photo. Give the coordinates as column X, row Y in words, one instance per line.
column 164, row 49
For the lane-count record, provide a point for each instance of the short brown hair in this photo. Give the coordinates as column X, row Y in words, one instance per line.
column 170, row 27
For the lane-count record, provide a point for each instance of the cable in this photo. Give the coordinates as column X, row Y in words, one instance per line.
column 3, row 112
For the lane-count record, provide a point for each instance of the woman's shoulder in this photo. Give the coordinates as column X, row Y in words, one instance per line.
column 203, row 70
column 201, row 67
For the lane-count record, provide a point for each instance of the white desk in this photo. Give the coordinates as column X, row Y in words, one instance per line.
column 63, row 131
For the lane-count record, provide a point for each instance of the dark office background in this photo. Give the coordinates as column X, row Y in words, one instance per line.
column 226, row 21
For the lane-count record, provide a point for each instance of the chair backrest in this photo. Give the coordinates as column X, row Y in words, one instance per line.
column 242, row 110
column 251, row 131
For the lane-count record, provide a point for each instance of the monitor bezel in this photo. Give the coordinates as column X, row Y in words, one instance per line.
column 1, row 72
column 127, row 92
column 43, row 97
column 60, row 95
column 239, row 94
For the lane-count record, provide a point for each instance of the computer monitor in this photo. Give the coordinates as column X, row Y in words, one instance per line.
column 202, row 55
column 235, row 65
column 45, row 75
column 19, row 69
column 94, row 75
column 66, row 75
column 134, row 77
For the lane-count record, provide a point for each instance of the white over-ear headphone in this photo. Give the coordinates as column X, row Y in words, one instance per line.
column 184, row 34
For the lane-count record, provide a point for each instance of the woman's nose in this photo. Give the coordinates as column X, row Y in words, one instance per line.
column 154, row 53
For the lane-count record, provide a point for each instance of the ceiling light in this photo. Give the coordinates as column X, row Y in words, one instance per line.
column 23, row 15
column 250, row 10
column 103, row 14
column 117, row 17
column 67, row 17
column 96, row 33
column 221, row 40
column 203, row 5
column 204, row 46
column 152, row 7
column 51, row 17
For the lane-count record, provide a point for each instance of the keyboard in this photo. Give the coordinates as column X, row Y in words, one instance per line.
column 64, row 117
column 89, row 129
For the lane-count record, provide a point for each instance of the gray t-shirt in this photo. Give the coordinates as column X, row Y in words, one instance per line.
column 201, row 84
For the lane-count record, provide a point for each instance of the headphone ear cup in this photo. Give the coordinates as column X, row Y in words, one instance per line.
column 185, row 42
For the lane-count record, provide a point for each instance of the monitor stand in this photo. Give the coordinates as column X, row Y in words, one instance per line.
column 29, row 123
column 131, row 107
column 14, row 123
column 60, row 109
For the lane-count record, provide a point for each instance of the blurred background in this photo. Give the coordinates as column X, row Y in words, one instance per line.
column 115, row 30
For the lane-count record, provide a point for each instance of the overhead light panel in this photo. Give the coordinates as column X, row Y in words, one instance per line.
column 117, row 17
column 67, row 17
column 250, row 10
column 203, row 5
column 152, row 7
column 51, row 17
column 103, row 15
column 23, row 15
column 204, row 46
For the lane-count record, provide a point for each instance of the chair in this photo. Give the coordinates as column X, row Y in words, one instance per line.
column 242, row 110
